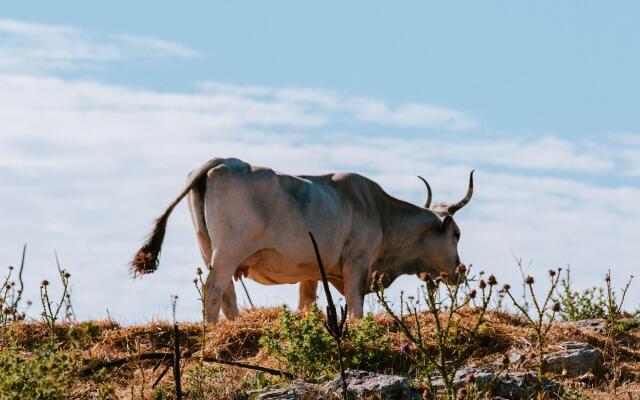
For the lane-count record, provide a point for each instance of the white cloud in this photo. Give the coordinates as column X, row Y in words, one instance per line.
column 358, row 108
column 150, row 46
column 628, row 152
column 30, row 48
column 32, row 29
column 86, row 166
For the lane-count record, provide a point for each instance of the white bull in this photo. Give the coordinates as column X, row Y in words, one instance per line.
column 254, row 222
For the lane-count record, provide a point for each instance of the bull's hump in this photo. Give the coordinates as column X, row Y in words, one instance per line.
column 235, row 164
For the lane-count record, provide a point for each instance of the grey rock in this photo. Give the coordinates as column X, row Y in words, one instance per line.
column 575, row 359
column 295, row 391
column 587, row 325
column 522, row 385
column 516, row 358
column 510, row 385
column 363, row 383
column 598, row 325
column 481, row 377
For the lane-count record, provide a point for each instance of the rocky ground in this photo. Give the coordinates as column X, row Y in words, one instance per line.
column 580, row 361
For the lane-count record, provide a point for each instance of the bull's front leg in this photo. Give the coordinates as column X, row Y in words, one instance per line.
column 355, row 284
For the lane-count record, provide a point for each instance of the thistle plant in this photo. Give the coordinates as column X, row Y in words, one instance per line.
column 541, row 322
column 199, row 372
column 69, row 313
column 8, row 299
column 199, row 283
column 454, row 334
column 11, row 295
column 614, row 314
column 50, row 308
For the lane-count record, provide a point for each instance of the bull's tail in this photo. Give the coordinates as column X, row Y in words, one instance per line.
column 146, row 259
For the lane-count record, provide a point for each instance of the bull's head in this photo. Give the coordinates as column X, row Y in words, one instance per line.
column 443, row 246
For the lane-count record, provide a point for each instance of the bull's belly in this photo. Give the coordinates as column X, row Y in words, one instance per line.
column 270, row 267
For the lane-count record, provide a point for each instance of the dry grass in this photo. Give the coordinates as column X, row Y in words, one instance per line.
column 238, row 340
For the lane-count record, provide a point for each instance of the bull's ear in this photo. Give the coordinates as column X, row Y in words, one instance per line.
column 447, row 222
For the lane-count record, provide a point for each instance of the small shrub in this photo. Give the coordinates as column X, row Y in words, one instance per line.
column 366, row 346
column 164, row 392
column 82, row 334
column 200, row 382
column 578, row 305
column 41, row 376
column 302, row 343
column 107, row 391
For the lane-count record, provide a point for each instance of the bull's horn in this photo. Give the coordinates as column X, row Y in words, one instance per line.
column 455, row 207
column 427, row 202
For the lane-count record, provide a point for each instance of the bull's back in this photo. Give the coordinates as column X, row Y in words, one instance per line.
column 269, row 215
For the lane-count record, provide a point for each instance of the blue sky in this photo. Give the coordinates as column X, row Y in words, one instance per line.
column 105, row 107
column 568, row 68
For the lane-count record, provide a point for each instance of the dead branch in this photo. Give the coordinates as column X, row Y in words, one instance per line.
column 168, row 357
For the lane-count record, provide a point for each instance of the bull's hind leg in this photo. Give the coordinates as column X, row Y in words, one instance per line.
column 219, row 283
column 229, row 303
column 195, row 204
column 307, row 294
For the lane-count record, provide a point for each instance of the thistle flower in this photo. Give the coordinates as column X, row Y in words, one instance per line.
column 492, row 280
column 529, row 280
column 556, row 307
column 461, row 269
column 552, row 273
column 67, row 275
column 482, row 284
column 472, row 294
column 506, row 287
column 199, row 271
column 44, row 282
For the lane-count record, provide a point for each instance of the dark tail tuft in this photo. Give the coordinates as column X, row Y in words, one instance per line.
column 146, row 259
